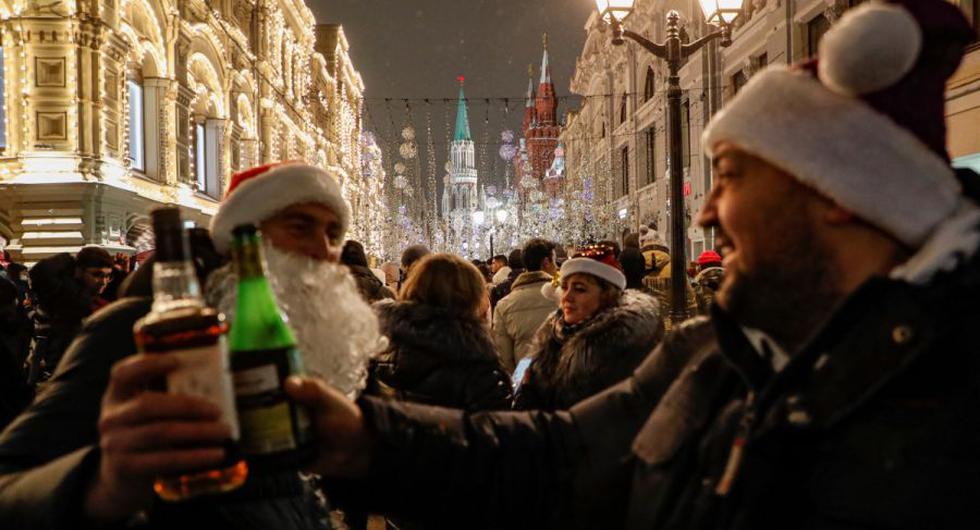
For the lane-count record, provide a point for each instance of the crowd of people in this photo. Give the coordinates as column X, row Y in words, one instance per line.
column 827, row 377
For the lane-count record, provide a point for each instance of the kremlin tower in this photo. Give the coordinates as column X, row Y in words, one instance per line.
column 541, row 128
column 459, row 194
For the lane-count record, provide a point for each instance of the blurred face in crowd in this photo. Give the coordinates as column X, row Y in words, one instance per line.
column 309, row 229
column 95, row 279
column 548, row 265
column 496, row 265
column 581, row 297
column 777, row 271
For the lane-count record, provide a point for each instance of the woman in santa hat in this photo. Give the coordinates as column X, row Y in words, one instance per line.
column 599, row 334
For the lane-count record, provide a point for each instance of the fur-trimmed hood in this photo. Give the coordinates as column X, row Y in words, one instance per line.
column 605, row 350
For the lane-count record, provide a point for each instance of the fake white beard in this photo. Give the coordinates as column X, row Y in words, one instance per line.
column 336, row 330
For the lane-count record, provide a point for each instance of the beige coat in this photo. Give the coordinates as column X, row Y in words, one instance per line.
column 518, row 315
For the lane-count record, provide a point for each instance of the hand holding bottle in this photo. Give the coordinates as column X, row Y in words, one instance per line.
column 145, row 434
column 344, row 445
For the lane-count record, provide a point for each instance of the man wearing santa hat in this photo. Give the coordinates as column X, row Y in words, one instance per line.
column 56, row 467
column 835, row 384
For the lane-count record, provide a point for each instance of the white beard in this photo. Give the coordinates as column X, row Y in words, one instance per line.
column 336, row 330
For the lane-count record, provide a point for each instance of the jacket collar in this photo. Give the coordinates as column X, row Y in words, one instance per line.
column 527, row 278
column 874, row 335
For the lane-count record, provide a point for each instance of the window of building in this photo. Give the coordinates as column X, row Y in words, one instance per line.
column 137, row 153
column 738, row 81
column 200, row 157
column 622, row 109
column 624, row 157
column 686, row 134
column 3, row 98
column 815, row 30
column 651, row 153
column 648, row 87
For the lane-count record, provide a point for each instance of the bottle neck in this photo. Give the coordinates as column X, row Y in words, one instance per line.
column 248, row 258
column 175, row 286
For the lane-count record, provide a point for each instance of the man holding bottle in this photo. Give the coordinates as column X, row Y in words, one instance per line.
column 68, row 456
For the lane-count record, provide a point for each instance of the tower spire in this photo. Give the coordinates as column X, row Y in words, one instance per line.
column 529, row 100
column 545, row 66
column 462, row 117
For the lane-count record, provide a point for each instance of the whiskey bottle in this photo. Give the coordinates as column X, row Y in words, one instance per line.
column 180, row 324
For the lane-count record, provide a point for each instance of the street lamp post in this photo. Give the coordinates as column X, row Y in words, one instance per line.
column 673, row 51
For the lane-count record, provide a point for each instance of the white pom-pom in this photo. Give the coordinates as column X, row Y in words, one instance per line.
column 871, row 48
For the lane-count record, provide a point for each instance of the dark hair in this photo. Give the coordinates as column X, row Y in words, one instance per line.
column 535, row 251
column 93, row 257
column 613, row 244
column 413, row 254
column 353, row 254
column 500, row 258
column 8, row 293
column 516, row 259
column 632, row 240
column 634, row 267
column 486, row 272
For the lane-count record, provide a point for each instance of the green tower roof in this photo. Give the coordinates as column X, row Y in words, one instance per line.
column 462, row 118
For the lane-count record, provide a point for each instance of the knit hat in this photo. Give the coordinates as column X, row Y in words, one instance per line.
column 864, row 125
column 256, row 194
column 597, row 260
column 709, row 256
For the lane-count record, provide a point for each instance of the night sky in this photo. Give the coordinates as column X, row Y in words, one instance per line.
column 416, row 49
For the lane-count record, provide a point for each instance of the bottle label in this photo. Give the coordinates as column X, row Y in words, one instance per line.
column 204, row 372
column 270, row 423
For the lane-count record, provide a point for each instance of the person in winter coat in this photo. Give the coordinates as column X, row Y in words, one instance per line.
column 515, row 266
column 708, row 279
column 835, row 384
column 371, row 288
column 519, row 314
column 597, row 337
column 440, row 351
column 657, row 279
column 15, row 336
column 634, row 268
column 79, row 456
column 60, row 302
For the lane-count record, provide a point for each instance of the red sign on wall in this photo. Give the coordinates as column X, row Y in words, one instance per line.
column 687, row 189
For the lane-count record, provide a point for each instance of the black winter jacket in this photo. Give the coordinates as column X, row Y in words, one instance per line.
column 604, row 351
column 873, row 424
column 50, row 452
column 437, row 357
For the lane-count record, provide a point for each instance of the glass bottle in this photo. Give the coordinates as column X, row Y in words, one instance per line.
column 275, row 431
column 180, row 324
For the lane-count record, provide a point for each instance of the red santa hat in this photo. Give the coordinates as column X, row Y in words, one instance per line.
column 709, row 256
column 256, row 194
column 597, row 260
column 864, row 125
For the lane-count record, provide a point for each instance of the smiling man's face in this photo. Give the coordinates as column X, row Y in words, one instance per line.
column 766, row 225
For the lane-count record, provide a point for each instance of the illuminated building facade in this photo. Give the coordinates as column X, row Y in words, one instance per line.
column 113, row 107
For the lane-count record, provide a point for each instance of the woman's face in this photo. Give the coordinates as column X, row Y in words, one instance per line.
column 581, row 297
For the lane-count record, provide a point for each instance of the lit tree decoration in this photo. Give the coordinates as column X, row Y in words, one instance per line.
column 408, row 150
column 400, row 182
column 528, row 182
column 408, row 133
column 399, row 168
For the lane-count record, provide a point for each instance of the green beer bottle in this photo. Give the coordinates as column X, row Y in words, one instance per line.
column 275, row 432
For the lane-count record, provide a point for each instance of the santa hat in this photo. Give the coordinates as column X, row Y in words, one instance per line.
column 599, row 261
column 708, row 256
column 256, row 194
column 865, row 125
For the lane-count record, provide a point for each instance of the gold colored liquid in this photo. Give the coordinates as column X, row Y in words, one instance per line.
column 187, row 329
column 208, row 482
